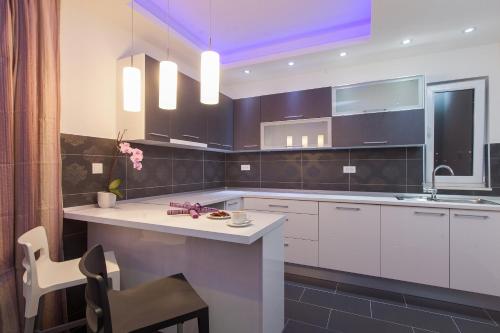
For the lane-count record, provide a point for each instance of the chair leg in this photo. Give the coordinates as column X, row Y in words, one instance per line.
column 203, row 322
column 180, row 328
column 29, row 324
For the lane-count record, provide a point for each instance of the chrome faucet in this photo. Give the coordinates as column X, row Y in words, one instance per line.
column 433, row 190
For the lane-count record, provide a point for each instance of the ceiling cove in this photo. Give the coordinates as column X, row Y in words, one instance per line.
column 249, row 30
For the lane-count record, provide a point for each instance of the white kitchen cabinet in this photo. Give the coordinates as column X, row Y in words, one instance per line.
column 301, row 251
column 281, row 205
column 475, row 251
column 235, row 204
column 349, row 237
column 415, row 245
column 387, row 95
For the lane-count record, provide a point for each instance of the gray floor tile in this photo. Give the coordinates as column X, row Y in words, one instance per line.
column 298, row 327
column 467, row 326
column 413, row 317
column 350, row 323
column 495, row 315
column 338, row 302
column 421, row 330
column 371, row 294
column 447, row 308
column 293, row 292
column 307, row 313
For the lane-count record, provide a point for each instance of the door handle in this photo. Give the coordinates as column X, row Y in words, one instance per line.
column 294, row 117
column 215, row 144
column 429, row 213
column 375, row 142
column 250, row 146
column 348, row 208
column 278, row 206
column 472, row 216
column 158, row 134
column 190, row 136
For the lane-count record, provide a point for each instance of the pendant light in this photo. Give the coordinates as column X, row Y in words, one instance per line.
column 210, row 71
column 132, row 79
column 168, row 76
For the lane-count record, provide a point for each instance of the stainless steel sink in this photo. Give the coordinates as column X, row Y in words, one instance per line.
column 474, row 201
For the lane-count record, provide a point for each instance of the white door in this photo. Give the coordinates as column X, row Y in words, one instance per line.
column 349, row 237
column 415, row 244
column 475, row 251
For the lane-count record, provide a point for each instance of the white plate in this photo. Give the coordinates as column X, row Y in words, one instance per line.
column 239, row 225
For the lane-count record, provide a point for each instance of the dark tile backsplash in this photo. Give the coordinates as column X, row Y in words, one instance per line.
column 377, row 170
column 171, row 170
column 165, row 170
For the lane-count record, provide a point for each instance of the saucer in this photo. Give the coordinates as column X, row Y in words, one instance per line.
column 239, row 225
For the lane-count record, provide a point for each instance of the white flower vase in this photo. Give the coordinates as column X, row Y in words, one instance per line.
column 106, row 199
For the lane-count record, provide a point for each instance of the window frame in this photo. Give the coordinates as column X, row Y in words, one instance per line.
column 478, row 179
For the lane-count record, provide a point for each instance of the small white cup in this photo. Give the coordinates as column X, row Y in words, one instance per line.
column 106, row 199
column 239, row 217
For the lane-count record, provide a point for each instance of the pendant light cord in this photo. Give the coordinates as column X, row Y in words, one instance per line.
column 168, row 29
column 132, row 25
column 210, row 24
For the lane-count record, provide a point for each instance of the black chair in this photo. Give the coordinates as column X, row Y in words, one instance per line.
column 146, row 308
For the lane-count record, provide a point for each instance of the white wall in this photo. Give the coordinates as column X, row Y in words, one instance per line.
column 94, row 34
column 454, row 64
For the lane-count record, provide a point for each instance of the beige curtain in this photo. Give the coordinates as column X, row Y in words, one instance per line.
column 30, row 189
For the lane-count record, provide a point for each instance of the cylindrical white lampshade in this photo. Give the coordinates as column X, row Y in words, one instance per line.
column 210, row 75
column 289, row 141
column 305, row 141
column 321, row 140
column 168, row 85
column 131, row 89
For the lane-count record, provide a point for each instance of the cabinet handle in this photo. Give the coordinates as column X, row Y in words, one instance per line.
column 228, row 146
column 294, row 117
column 429, row 213
column 232, row 203
column 374, row 110
column 286, row 244
column 158, row 134
column 215, row 143
column 484, row 217
column 348, row 208
column 278, row 206
column 250, row 146
column 190, row 136
column 375, row 142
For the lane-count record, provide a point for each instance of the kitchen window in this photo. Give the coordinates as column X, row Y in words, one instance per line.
column 456, row 133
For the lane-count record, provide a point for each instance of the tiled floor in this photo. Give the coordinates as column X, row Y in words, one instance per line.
column 325, row 307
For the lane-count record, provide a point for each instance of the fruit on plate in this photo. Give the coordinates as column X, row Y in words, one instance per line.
column 220, row 213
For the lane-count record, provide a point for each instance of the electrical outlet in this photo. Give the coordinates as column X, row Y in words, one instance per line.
column 96, row 168
column 245, row 167
column 349, row 169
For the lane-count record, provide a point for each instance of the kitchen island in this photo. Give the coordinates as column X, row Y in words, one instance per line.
column 239, row 272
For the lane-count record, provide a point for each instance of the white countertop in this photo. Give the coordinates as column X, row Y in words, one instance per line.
column 151, row 213
column 153, row 217
column 210, row 197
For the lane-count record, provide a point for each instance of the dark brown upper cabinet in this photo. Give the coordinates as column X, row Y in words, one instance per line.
column 392, row 128
column 188, row 121
column 247, row 123
column 303, row 104
column 157, row 120
column 220, row 124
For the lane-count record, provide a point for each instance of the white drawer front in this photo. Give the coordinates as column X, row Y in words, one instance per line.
column 285, row 206
column 233, row 204
column 301, row 251
column 301, row 226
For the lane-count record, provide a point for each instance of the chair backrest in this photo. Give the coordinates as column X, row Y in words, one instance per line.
column 93, row 266
column 31, row 242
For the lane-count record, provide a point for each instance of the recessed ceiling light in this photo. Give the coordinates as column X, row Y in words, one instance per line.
column 469, row 30
column 291, row 63
column 343, row 54
column 246, row 71
column 406, row 41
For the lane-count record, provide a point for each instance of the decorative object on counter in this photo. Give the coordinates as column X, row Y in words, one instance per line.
column 108, row 199
column 219, row 215
column 195, row 210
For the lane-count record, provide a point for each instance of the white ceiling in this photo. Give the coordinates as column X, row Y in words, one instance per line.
column 433, row 25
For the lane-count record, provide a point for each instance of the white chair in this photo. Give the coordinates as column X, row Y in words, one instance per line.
column 43, row 275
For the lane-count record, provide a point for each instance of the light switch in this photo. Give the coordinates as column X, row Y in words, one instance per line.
column 245, row 167
column 349, row 169
column 96, row 168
